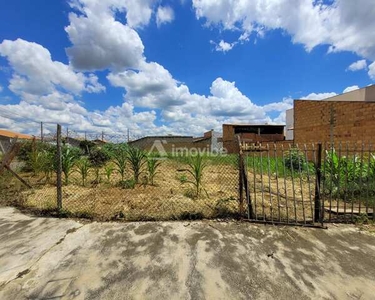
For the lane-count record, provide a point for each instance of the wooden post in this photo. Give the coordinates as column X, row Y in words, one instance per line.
column 317, row 200
column 8, row 157
column 240, row 176
column 59, row 169
column 240, row 169
column 41, row 132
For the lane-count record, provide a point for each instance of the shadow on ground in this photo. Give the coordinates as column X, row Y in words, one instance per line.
column 45, row 258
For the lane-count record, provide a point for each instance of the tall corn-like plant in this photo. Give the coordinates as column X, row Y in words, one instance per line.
column 152, row 167
column 119, row 159
column 197, row 164
column 68, row 159
column 108, row 171
column 136, row 158
column 36, row 161
column 47, row 164
column 83, row 168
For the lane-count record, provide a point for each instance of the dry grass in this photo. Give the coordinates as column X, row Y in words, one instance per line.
column 282, row 198
column 167, row 199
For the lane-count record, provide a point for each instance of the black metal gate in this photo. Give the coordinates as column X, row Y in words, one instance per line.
column 309, row 185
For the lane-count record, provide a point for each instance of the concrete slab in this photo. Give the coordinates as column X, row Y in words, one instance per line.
column 181, row 260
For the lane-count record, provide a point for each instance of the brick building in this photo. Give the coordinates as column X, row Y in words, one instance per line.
column 364, row 96
column 250, row 133
column 210, row 141
column 334, row 121
column 7, row 136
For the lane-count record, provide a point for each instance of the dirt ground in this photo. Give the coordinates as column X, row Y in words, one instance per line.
column 47, row 258
column 172, row 196
column 168, row 199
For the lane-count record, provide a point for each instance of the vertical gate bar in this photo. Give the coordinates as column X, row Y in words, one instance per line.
column 301, row 184
column 338, row 180
column 331, row 180
column 250, row 213
column 294, row 192
column 346, row 180
column 353, row 179
column 255, row 189
column 315, row 182
column 269, row 180
column 361, row 180
column 261, row 179
column 277, row 181
column 368, row 178
column 285, row 188
column 308, row 179
column 323, row 183
column 317, row 201
column 240, row 183
column 59, row 169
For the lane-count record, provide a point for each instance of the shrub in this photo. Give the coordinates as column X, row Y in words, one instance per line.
column 30, row 154
column 295, row 159
column 127, row 184
column 182, row 178
column 86, row 146
column 98, row 158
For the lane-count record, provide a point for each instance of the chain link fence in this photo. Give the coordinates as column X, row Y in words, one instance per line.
column 275, row 183
column 115, row 181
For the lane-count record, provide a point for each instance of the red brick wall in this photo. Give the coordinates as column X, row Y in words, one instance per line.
column 230, row 142
column 352, row 122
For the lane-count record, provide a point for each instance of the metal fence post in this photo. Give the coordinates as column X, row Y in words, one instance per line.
column 240, row 174
column 59, row 169
column 317, row 200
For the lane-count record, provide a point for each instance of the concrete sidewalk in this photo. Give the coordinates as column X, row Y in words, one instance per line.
column 45, row 258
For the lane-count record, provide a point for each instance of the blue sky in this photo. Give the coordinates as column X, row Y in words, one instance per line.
column 158, row 67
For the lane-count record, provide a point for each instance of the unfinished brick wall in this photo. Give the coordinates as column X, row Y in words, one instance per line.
column 339, row 121
column 230, row 140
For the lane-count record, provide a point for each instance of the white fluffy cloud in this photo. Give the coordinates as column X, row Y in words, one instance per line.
column 164, row 15
column 351, row 88
column 138, row 13
column 309, row 22
column 101, row 42
column 371, row 71
column 50, row 91
column 358, row 65
column 152, row 86
column 223, row 46
column 34, row 70
column 319, row 96
column 344, row 25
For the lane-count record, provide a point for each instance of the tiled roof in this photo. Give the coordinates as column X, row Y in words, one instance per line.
column 11, row 134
